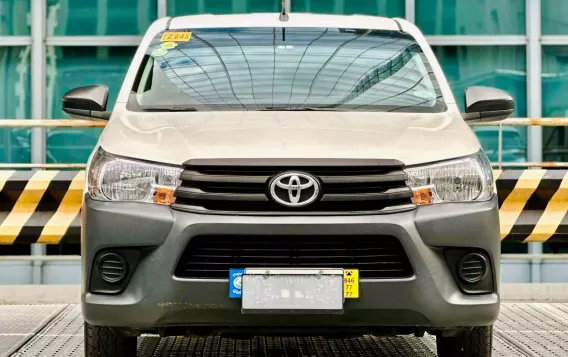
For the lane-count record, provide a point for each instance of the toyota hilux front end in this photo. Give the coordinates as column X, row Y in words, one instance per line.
column 311, row 176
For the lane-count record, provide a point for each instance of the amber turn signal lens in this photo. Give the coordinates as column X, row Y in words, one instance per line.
column 164, row 196
column 422, row 196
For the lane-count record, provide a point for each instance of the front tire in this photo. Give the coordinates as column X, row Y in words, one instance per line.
column 476, row 342
column 103, row 342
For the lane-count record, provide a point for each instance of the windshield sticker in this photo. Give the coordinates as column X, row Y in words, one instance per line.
column 159, row 52
column 176, row 36
column 168, row 45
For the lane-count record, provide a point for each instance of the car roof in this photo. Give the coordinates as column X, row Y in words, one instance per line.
column 294, row 20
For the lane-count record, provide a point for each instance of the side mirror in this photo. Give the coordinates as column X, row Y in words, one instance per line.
column 487, row 104
column 87, row 102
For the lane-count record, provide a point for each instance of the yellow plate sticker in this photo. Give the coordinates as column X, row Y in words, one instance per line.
column 351, row 283
column 176, row 36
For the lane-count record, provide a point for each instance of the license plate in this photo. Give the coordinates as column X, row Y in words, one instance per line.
column 292, row 291
column 351, row 283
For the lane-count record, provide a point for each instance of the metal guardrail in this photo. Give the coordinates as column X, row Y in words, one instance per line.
column 544, row 165
column 48, row 123
column 40, row 258
column 527, row 122
column 524, row 122
column 78, row 123
column 51, row 123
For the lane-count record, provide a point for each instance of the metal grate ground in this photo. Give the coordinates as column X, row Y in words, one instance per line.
column 63, row 336
column 527, row 329
column 18, row 323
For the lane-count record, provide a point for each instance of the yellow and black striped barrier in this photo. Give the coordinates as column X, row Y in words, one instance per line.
column 44, row 206
column 533, row 205
column 40, row 207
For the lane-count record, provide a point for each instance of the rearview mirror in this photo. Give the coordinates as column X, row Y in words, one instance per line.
column 87, row 102
column 487, row 104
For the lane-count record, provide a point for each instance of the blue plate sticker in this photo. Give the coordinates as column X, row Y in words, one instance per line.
column 236, row 283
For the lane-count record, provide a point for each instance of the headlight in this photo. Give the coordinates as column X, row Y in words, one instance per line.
column 468, row 179
column 112, row 178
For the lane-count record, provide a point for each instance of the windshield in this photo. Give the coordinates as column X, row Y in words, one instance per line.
column 285, row 69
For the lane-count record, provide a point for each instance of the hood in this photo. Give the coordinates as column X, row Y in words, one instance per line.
column 175, row 137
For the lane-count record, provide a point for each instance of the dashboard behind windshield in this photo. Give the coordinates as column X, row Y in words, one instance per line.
column 330, row 69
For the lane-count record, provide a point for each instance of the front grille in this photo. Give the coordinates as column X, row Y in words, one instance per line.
column 347, row 186
column 377, row 257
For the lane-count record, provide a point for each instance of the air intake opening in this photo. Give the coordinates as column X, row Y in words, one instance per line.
column 472, row 268
column 375, row 256
column 112, row 267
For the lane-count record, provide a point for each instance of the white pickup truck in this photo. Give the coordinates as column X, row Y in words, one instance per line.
column 268, row 175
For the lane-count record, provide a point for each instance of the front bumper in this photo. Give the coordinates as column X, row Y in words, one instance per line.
column 156, row 298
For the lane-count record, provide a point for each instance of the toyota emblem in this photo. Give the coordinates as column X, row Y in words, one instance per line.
column 294, row 189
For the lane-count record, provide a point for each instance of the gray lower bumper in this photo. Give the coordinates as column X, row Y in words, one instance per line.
column 155, row 298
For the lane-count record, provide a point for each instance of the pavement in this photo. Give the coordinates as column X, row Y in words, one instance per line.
column 46, row 321
column 56, row 330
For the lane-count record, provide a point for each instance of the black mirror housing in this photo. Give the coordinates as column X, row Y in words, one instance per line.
column 487, row 104
column 88, row 101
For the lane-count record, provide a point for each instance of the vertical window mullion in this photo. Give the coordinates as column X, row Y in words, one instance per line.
column 38, row 64
column 534, row 105
column 410, row 10
column 534, row 81
column 162, row 8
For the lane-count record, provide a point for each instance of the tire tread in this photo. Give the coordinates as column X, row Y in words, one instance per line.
column 103, row 342
column 476, row 342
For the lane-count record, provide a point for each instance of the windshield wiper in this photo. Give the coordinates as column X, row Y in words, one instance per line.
column 174, row 109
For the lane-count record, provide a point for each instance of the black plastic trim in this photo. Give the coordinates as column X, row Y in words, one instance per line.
column 376, row 256
column 399, row 25
column 485, row 268
column 118, row 259
column 98, row 285
column 484, row 286
column 298, row 163
column 202, row 210
column 139, row 73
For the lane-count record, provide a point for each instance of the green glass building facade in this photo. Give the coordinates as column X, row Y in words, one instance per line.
column 517, row 45
column 502, row 43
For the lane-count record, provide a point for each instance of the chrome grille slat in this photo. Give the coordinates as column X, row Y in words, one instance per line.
column 388, row 177
column 194, row 176
column 197, row 194
column 391, row 194
column 242, row 186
